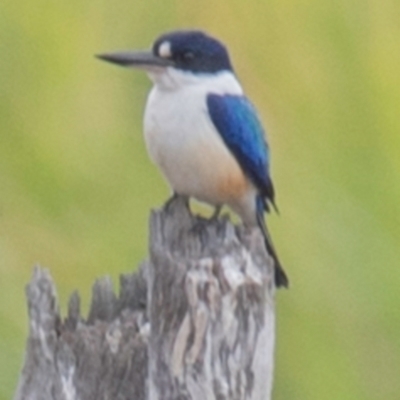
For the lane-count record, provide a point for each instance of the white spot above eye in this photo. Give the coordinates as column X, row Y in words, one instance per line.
column 164, row 50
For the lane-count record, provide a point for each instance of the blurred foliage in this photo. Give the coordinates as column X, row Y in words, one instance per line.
column 76, row 185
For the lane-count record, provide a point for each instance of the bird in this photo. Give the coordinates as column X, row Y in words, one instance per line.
column 202, row 131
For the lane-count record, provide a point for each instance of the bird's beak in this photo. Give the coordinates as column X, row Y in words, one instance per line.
column 138, row 59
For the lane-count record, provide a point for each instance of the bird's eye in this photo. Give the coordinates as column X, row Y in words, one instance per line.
column 188, row 55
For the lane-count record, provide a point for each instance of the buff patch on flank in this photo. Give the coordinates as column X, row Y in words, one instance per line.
column 234, row 186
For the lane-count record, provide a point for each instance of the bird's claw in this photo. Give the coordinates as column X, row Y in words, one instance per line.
column 216, row 213
column 175, row 198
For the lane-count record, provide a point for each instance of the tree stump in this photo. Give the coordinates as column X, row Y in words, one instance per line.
column 195, row 322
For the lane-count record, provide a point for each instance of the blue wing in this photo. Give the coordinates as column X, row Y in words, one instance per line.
column 240, row 128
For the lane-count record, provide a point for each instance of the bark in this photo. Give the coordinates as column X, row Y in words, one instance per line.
column 195, row 322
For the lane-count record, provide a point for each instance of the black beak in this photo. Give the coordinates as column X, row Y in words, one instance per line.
column 139, row 59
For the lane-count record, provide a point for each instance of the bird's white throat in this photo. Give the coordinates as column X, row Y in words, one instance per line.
column 170, row 78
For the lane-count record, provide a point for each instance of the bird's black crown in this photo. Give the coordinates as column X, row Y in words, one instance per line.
column 193, row 51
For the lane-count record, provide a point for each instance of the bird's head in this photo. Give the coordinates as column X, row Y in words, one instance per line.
column 191, row 52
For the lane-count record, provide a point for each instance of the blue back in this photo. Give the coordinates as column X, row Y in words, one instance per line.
column 240, row 128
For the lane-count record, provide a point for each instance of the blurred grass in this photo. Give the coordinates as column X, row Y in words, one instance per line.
column 76, row 185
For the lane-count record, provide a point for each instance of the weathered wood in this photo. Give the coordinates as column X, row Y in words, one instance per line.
column 195, row 322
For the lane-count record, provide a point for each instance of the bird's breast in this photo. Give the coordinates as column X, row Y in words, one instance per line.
column 183, row 142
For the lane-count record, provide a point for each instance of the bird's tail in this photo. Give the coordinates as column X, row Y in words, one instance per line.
column 281, row 279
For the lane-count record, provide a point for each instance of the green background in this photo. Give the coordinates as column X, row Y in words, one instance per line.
column 76, row 185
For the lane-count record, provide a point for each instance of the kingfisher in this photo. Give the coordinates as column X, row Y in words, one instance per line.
column 201, row 130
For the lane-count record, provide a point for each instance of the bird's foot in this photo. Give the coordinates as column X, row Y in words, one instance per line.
column 215, row 214
column 174, row 199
